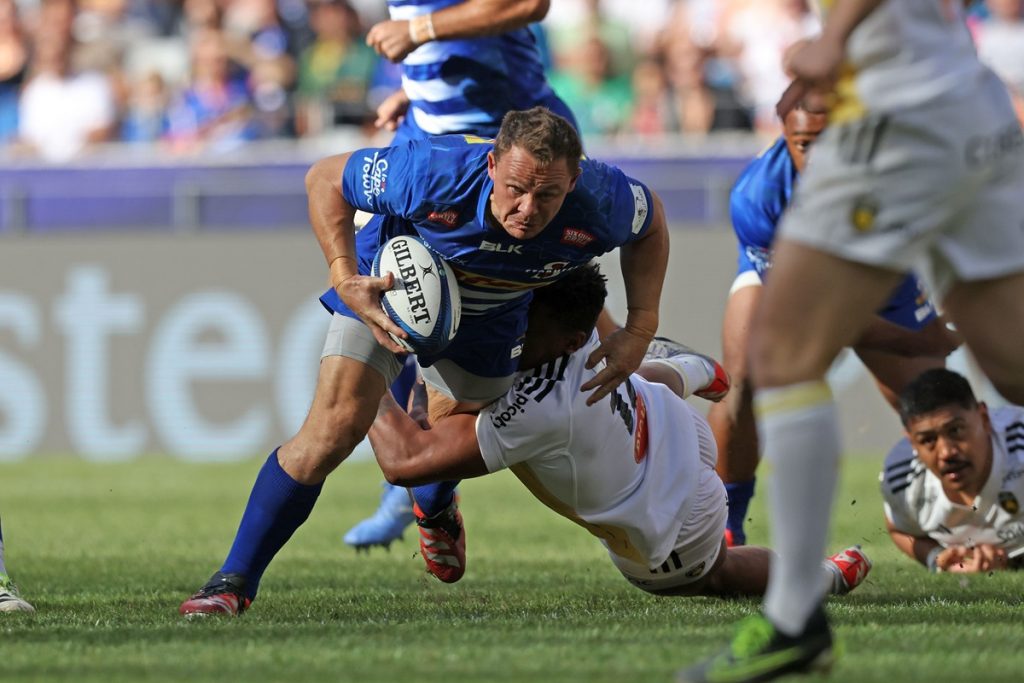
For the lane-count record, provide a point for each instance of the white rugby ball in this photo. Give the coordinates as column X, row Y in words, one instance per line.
column 425, row 300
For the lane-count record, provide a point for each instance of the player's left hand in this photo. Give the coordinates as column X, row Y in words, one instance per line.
column 815, row 63
column 622, row 351
column 391, row 40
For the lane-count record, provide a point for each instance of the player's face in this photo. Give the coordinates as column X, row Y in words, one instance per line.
column 955, row 443
column 801, row 128
column 527, row 194
column 547, row 339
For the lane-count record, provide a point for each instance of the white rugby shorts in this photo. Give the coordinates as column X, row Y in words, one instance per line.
column 937, row 190
column 700, row 539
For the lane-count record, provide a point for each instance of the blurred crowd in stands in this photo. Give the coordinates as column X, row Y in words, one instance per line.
column 208, row 75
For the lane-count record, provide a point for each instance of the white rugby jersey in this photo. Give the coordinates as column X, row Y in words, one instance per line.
column 625, row 468
column 916, row 504
column 905, row 53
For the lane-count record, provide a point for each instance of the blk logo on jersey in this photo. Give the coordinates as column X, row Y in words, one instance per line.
column 576, row 237
column 449, row 217
column 498, row 248
column 375, row 177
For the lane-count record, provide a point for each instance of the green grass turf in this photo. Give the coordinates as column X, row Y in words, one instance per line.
column 107, row 552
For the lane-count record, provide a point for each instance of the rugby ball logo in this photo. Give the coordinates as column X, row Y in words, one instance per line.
column 425, row 300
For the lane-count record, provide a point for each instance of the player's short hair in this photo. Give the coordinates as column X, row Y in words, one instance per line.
column 934, row 389
column 544, row 134
column 576, row 299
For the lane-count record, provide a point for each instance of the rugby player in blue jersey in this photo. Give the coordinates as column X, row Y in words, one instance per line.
column 508, row 215
column 905, row 339
column 465, row 64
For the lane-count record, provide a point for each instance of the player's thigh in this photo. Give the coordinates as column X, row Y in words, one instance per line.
column 355, row 371
column 814, row 304
column 893, row 372
column 990, row 316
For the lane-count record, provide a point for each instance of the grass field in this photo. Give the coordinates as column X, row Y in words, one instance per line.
column 106, row 553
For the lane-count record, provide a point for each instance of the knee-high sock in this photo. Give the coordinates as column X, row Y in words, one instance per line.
column 277, row 506
column 738, row 493
column 799, row 428
column 434, row 498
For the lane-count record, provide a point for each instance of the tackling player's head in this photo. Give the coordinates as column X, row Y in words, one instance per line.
column 948, row 429
column 534, row 165
column 562, row 315
column 801, row 127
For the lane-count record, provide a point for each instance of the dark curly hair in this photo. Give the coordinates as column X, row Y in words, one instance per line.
column 934, row 389
column 576, row 299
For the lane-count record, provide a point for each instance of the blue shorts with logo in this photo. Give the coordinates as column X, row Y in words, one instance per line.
column 487, row 345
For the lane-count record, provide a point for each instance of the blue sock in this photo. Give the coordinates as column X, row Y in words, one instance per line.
column 739, row 493
column 434, row 498
column 278, row 505
column 402, row 386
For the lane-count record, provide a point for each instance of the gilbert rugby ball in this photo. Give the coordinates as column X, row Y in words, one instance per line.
column 425, row 300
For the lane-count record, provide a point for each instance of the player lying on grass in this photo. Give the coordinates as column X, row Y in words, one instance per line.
column 953, row 486
column 904, row 339
column 637, row 469
column 10, row 601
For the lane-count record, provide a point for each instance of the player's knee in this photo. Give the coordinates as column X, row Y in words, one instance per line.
column 779, row 359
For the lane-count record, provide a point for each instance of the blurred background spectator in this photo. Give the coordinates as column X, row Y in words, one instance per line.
column 205, row 76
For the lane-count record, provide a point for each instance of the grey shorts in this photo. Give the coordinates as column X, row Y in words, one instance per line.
column 351, row 338
column 939, row 190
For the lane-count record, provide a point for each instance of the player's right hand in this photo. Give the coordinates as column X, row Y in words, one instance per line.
column 959, row 559
column 362, row 293
column 390, row 39
column 392, row 111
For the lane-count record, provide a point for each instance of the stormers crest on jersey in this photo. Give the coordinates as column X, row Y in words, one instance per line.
column 439, row 189
column 916, row 504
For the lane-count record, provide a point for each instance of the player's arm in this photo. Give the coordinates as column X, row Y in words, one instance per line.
column 468, row 19
column 815, row 63
column 331, row 216
column 918, row 548
column 644, row 262
column 410, row 455
column 933, row 340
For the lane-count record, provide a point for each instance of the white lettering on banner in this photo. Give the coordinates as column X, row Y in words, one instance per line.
column 181, row 358
column 23, row 406
column 88, row 314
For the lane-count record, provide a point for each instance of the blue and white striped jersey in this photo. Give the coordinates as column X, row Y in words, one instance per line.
column 440, row 188
column 467, row 85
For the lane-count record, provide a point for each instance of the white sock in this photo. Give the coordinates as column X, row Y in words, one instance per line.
column 799, row 427
column 695, row 372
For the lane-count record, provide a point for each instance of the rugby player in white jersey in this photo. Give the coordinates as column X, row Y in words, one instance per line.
column 637, row 469
column 953, row 486
column 921, row 168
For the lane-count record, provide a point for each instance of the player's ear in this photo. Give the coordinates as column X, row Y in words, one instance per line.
column 572, row 183
column 985, row 420
column 576, row 341
column 492, row 163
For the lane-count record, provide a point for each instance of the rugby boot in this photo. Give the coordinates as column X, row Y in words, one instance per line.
column 443, row 542
column 223, row 594
column 10, row 601
column 849, row 567
column 717, row 386
column 760, row 652
column 387, row 524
